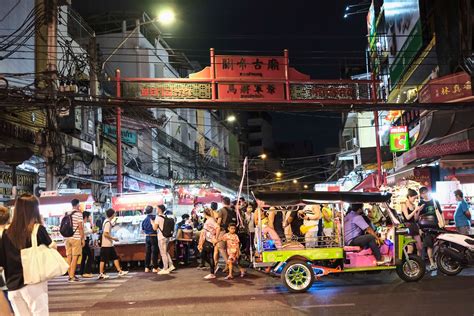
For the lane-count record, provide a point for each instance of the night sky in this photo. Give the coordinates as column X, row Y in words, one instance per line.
column 320, row 42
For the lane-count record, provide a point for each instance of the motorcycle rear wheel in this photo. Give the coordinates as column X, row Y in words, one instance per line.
column 447, row 265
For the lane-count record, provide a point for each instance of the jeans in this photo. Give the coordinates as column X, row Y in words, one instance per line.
column 165, row 256
column 151, row 255
column 365, row 241
column 208, row 254
column 87, row 258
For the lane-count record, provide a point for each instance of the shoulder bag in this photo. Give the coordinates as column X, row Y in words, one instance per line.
column 41, row 263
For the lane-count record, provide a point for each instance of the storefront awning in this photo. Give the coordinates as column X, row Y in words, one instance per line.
column 368, row 184
column 456, row 143
column 457, row 161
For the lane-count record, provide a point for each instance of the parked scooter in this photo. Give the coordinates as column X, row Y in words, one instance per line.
column 454, row 252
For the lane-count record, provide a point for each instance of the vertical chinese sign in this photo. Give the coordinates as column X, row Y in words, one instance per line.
column 399, row 139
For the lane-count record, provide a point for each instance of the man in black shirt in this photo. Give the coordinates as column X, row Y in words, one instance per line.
column 429, row 209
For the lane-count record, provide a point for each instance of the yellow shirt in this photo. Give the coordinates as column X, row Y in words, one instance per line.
column 328, row 224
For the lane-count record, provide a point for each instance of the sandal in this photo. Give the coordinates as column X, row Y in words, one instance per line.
column 229, row 277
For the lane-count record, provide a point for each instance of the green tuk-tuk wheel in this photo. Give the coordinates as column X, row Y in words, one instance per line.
column 411, row 270
column 298, row 276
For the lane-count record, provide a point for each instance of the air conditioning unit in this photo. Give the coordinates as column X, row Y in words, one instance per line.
column 351, row 144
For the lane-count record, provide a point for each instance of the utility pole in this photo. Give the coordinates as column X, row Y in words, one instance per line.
column 46, row 70
column 119, row 136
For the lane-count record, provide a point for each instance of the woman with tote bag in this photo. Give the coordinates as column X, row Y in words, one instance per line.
column 26, row 299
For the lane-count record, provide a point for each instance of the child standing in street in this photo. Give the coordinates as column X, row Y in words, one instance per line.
column 233, row 250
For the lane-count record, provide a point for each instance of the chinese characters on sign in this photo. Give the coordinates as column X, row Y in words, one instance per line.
column 250, row 67
column 166, row 90
column 447, row 88
column 241, row 91
column 329, row 91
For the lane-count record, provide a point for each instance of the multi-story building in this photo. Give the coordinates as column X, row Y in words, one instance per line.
column 164, row 144
column 56, row 142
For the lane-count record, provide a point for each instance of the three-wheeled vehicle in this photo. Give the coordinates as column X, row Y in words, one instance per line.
column 301, row 260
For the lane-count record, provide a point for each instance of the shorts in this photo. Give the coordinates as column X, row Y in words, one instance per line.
column 428, row 240
column 413, row 228
column 221, row 244
column 108, row 254
column 73, row 247
column 232, row 256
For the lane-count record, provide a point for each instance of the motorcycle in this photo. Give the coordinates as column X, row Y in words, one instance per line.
column 454, row 252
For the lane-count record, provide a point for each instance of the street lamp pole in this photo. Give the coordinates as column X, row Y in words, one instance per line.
column 119, row 136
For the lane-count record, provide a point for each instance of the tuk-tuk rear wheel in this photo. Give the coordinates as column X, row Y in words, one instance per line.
column 298, row 276
column 411, row 270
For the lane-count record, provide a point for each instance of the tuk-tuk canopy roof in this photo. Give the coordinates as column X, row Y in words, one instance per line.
column 304, row 197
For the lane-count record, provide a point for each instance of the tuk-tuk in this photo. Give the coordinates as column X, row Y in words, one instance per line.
column 301, row 260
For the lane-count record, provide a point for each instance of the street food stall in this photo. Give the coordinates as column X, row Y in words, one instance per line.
column 53, row 206
column 128, row 224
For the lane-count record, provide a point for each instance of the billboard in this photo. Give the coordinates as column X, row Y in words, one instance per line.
column 399, row 139
column 403, row 29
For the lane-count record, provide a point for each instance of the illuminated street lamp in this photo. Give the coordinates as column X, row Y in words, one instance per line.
column 295, row 181
column 305, row 186
column 263, row 156
column 166, row 16
column 231, row 118
column 278, row 174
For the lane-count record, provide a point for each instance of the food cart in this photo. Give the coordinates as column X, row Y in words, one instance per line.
column 53, row 206
column 128, row 225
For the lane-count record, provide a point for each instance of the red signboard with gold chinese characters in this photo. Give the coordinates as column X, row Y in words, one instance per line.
column 246, row 91
column 249, row 67
column 447, row 89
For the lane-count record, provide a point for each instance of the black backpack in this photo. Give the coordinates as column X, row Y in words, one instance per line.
column 66, row 229
column 168, row 227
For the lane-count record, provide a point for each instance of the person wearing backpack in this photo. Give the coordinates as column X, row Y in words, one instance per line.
column 72, row 229
column 151, row 241
column 165, row 227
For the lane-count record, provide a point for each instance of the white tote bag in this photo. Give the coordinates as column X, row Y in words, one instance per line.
column 41, row 263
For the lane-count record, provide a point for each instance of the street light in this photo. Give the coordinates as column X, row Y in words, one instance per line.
column 166, row 16
column 231, row 118
column 305, row 186
column 263, row 156
column 295, row 181
column 278, row 174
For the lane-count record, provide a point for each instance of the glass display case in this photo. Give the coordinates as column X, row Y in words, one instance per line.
column 128, row 228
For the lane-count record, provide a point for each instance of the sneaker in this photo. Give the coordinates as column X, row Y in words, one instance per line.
column 122, row 273
column 155, row 271
column 87, row 276
column 147, row 270
column 73, row 280
column 210, row 276
column 172, row 268
column 103, row 276
column 162, row 272
column 432, row 267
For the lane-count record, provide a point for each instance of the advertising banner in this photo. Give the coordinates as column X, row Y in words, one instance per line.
column 403, row 29
column 128, row 136
column 446, row 89
column 399, row 139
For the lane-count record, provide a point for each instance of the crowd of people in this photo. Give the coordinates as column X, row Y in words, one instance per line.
column 226, row 233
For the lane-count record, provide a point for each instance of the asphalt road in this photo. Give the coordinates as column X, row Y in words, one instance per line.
column 184, row 292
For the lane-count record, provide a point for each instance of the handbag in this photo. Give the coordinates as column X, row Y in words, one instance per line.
column 41, row 263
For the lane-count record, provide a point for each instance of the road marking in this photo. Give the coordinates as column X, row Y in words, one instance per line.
column 326, row 305
column 84, row 297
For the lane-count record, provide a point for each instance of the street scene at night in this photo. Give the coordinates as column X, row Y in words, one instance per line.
column 253, row 157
